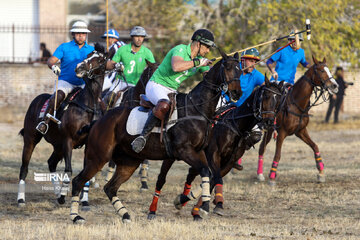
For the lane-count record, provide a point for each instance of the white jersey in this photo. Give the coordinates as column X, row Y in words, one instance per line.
column 109, row 78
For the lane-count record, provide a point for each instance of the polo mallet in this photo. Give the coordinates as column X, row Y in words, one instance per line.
column 53, row 117
column 307, row 30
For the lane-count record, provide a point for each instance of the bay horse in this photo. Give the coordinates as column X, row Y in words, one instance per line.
column 131, row 99
column 109, row 139
column 293, row 116
column 81, row 110
column 226, row 145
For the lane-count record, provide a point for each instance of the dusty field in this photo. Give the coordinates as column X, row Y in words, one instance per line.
column 297, row 208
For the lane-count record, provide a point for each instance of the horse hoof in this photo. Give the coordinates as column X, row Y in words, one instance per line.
column 219, row 211
column 79, row 220
column 151, row 216
column 126, row 218
column 321, row 178
column 197, row 218
column 261, row 177
column 85, row 206
column 21, row 203
column 144, row 187
column 204, row 209
column 177, row 202
column 61, row 200
column 272, row 183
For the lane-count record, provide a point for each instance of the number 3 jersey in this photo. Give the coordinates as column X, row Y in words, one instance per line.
column 134, row 63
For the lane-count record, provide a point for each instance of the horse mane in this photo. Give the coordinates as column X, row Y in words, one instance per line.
column 209, row 74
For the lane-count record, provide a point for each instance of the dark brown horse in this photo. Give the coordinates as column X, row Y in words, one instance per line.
column 226, row 144
column 80, row 112
column 293, row 116
column 109, row 139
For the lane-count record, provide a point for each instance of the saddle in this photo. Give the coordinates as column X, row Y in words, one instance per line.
column 63, row 106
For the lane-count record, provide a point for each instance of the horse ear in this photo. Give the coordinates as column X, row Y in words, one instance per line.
column 315, row 60
column 324, row 60
column 267, row 82
column 223, row 55
column 99, row 48
column 236, row 55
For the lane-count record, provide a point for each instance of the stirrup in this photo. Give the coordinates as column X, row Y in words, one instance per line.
column 138, row 144
column 40, row 127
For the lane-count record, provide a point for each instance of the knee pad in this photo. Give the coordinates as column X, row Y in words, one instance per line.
column 161, row 109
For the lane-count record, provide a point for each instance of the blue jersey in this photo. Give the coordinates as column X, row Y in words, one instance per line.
column 70, row 55
column 287, row 61
column 248, row 82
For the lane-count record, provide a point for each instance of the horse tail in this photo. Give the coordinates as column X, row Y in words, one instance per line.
column 21, row 132
column 86, row 129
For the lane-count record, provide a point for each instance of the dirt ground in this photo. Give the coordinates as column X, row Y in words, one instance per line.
column 296, row 208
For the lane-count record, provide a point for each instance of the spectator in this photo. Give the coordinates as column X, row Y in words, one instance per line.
column 337, row 99
column 45, row 53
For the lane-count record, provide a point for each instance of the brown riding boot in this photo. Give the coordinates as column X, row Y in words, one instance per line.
column 43, row 125
column 155, row 117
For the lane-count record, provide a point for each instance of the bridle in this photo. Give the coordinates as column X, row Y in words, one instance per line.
column 258, row 104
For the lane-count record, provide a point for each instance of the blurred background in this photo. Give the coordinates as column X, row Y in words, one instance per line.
column 237, row 24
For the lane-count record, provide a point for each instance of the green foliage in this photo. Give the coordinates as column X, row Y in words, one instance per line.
column 238, row 24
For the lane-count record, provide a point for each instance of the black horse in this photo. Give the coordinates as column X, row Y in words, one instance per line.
column 109, row 139
column 227, row 143
column 82, row 108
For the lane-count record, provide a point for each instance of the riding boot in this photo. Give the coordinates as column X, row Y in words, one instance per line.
column 139, row 143
column 43, row 125
column 157, row 115
column 253, row 137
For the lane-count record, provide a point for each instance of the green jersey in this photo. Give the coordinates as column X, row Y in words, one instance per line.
column 134, row 63
column 165, row 75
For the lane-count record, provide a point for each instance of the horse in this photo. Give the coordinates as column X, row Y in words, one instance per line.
column 227, row 143
column 293, row 116
column 82, row 107
column 109, row 139
column 131, row 98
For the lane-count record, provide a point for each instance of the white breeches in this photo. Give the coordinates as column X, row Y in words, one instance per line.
column 154, row 92
column 67, row 87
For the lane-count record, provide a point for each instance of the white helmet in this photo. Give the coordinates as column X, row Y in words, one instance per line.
column 79, row 27
column 138, row 31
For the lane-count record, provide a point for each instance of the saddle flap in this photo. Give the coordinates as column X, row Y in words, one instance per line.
column 144, row 102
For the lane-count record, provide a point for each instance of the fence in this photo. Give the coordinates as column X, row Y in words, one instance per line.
column 21, row 43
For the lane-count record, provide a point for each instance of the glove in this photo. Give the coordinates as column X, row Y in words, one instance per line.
column 275, row 75
column 56, row 70
column 119, row 67
column 200, row 62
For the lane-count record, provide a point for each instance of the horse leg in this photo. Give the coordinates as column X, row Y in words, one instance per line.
column 165, row 167
column 30, row 141
column 124, row 170
column 53, row 161
column 111, row 169
column 264, row 143
column 67, row 148
column 304, row 135
column 78, row 183
column 279, row 141
column 143, row 175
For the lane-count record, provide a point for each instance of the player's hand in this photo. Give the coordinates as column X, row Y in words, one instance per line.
column 119, row 67
column 275, row 75
column 56, row 70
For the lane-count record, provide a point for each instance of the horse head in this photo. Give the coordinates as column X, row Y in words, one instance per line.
column 230, row 72
column 94, row 64
column 321, row 76
column 270, row 99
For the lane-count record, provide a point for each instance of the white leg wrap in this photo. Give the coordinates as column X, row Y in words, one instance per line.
column 65, row 188
column 195, row 193
column 85, row 193
column 144, row 168
column 74, row 208
column 205, row 184
column 110, row 173
column 57, row 187
column 119, row 208
column 21, row 190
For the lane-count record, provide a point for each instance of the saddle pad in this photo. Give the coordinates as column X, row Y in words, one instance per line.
column 136, row 122
column 43, row 109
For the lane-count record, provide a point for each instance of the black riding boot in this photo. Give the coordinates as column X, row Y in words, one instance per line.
column 139, row 143
column 253, row 137
column 43, row 125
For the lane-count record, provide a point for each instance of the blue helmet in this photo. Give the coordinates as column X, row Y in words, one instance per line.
column 112, row 33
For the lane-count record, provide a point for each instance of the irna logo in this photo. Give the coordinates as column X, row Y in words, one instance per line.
column 49, row 177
